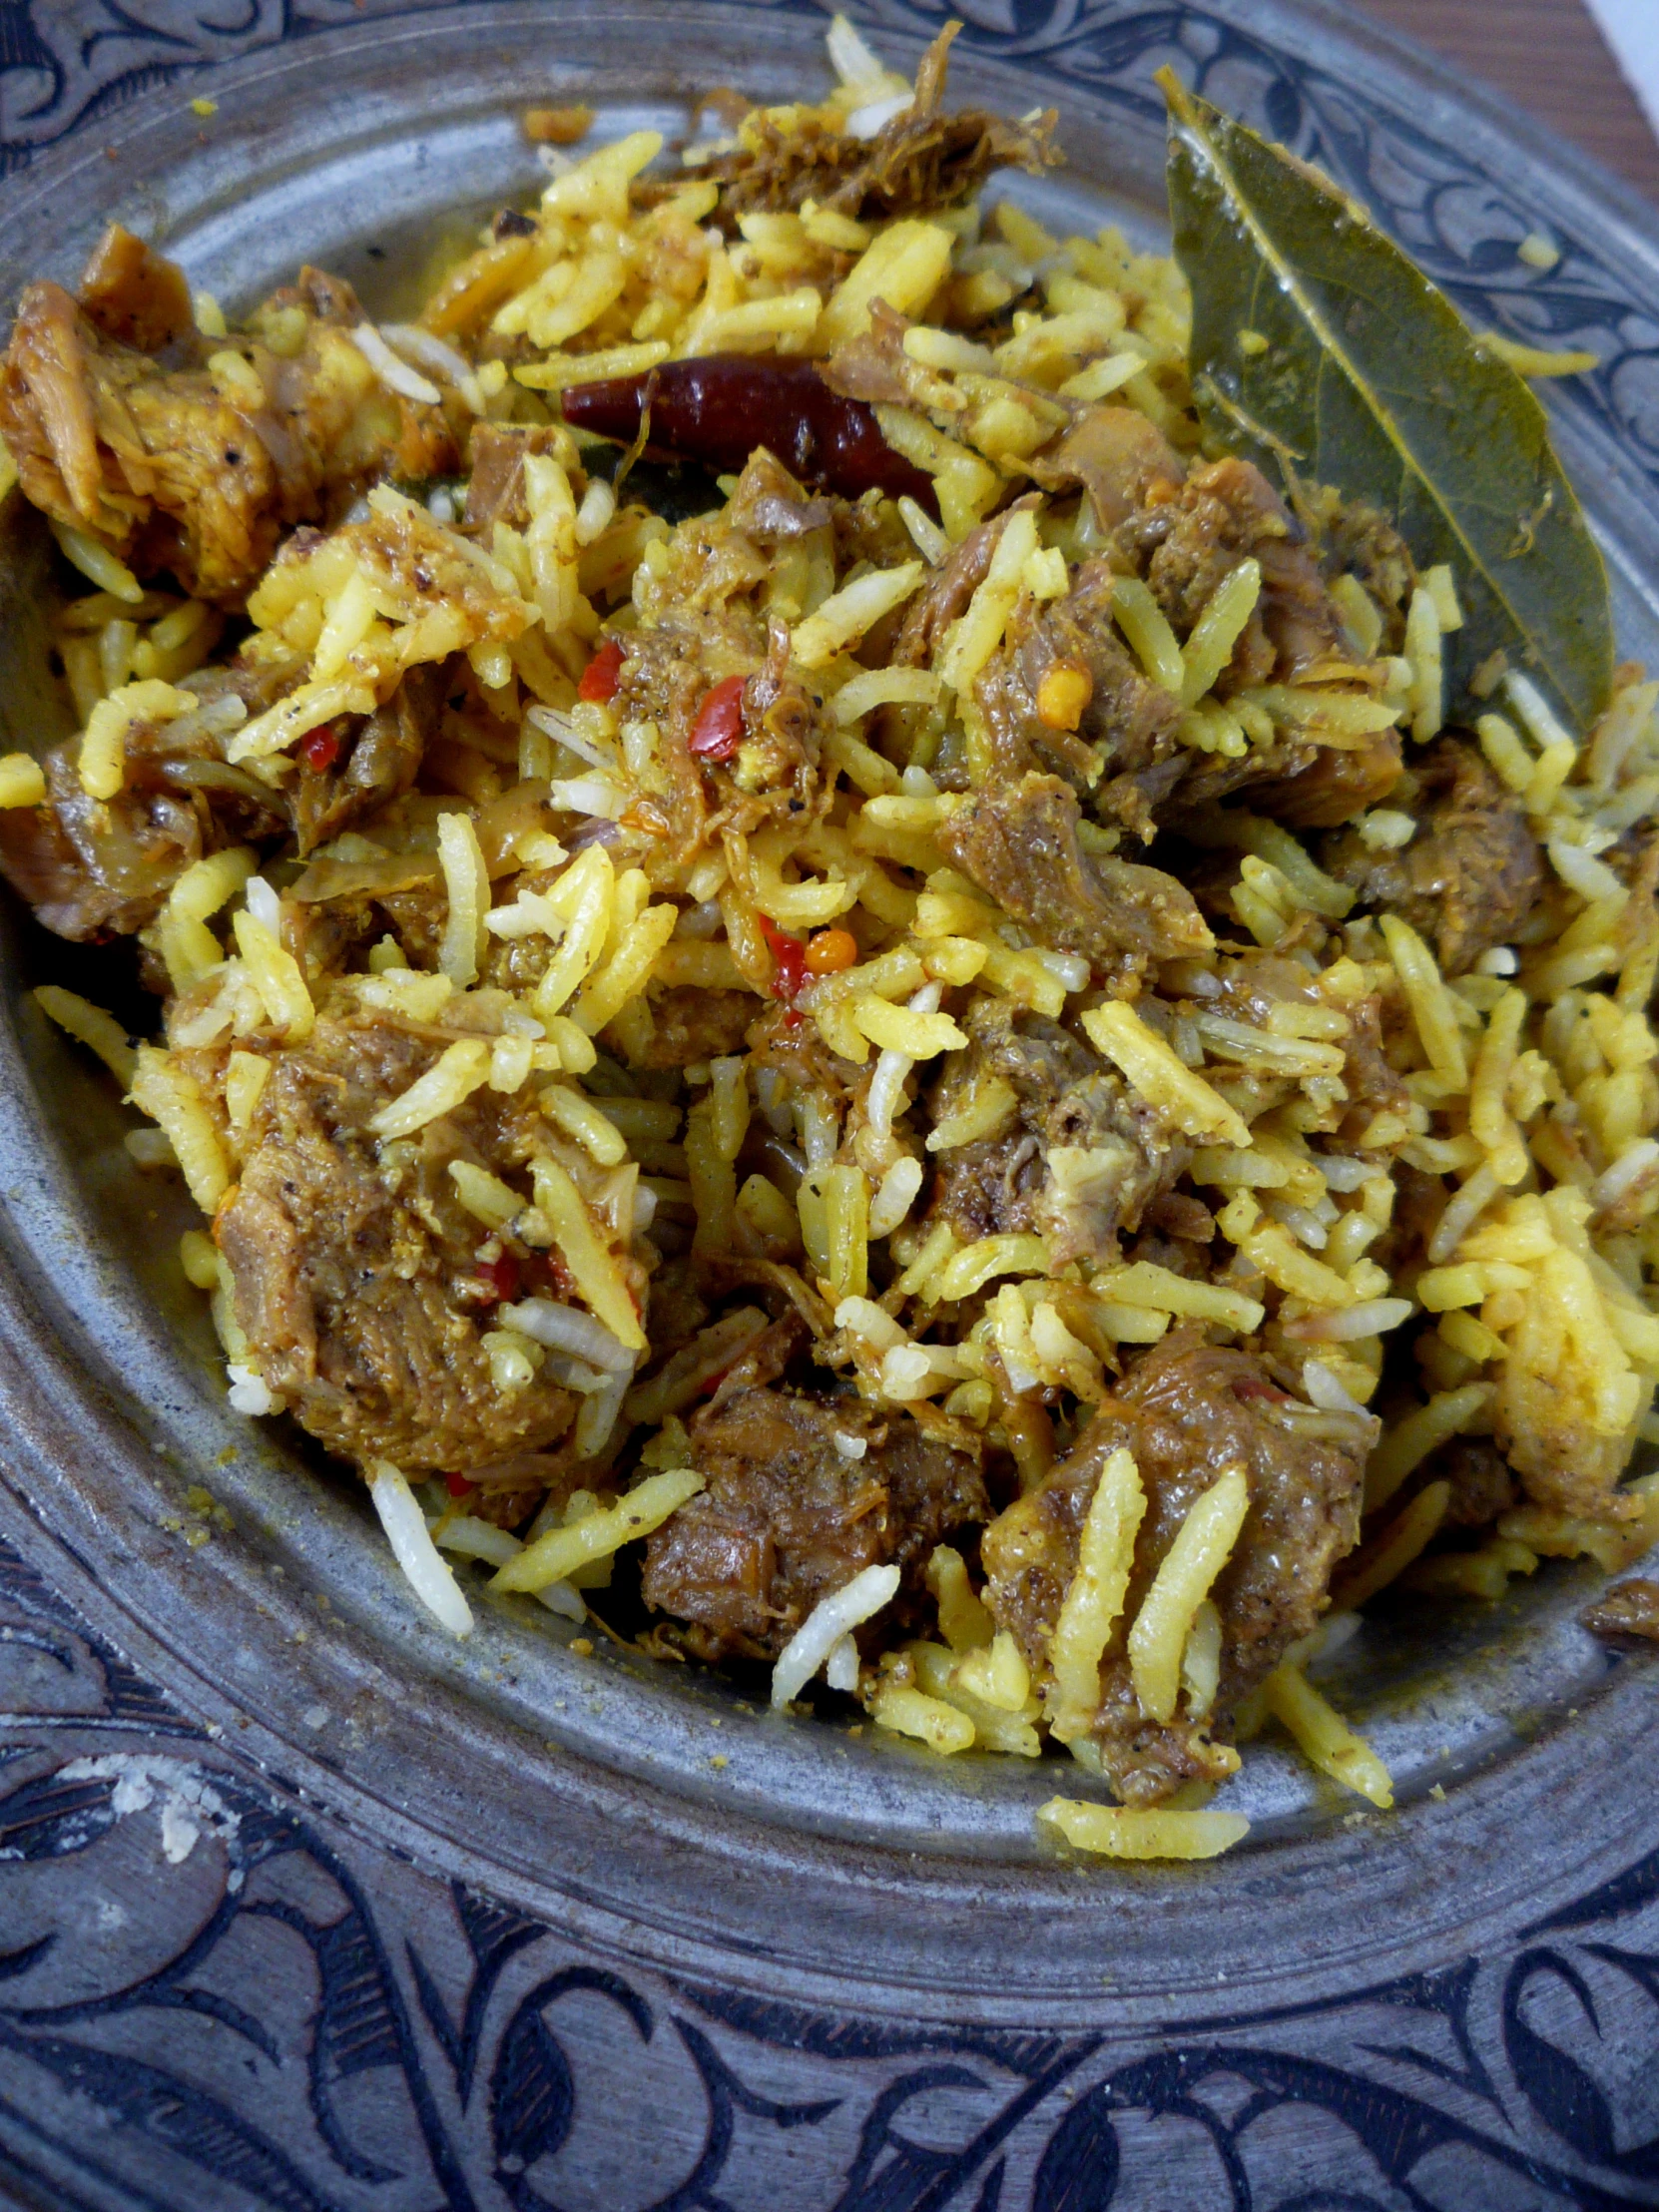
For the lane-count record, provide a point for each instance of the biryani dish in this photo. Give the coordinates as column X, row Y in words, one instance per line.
column 830, row 991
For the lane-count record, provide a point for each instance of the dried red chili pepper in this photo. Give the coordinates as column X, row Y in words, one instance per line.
column 321, row 749
column 717, row 731
column 458, row 1485
column 791, row 958
column 716, row 408
column 603, row 673
column 500, row 1278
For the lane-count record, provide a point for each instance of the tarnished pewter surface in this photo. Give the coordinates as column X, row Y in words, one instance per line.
column 303, row 1905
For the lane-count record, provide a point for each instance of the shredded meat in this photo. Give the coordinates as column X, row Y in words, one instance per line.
column 1627, row 1613
column 920, row 161
column 1189, row 1412
column 691, row 1024
column 354, row 1278
column 1482, row 1484
column 1078, row 1159
column 788, row 1516
column 1128, row 723
column 377, row 761
column 1019, row 843
column 495, row 453
column 770, row 508
column 1123, row 462
column 184, row 467
column 92, row 867
column 1225, row 512
column 944, row 595
column 134, row 296
column 1473, row 873
column 1335, row 784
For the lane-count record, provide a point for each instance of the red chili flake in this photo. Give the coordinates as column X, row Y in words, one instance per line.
column 718, row 730
column 545, row 1275
column 791, row 957
column 458, row 1485
column 500, row 1278
column 321, row 749
column 603, row 673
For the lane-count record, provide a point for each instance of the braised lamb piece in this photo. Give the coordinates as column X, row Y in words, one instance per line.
column 1473, row 873
column 125, row 424
column 1019, row 841
column 802, row 1494
column 1189, row 1412
column 355, row 1276
column 1079, row 1158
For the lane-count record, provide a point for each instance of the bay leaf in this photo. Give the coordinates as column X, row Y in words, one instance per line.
column 1321, row 352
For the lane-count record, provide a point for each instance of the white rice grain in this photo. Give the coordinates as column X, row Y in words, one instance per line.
column 863, row 123
column 250, row 1392
column 829, row 1620
column 429, row 352
column 262, row 903
column 396, row 376
column 568, row 1329
column 1371, row 1318
column 428, row 1574
column 1625, row 1173
column 1325, row 1392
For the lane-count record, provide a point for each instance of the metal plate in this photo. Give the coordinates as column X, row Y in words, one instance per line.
column 837, row 1901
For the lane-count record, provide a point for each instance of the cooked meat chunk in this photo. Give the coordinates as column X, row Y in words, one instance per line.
column 193, row 468
column 1335, row 784
column 1121, row 459
column 1473, row 873
column 378, row 758
column 770, row 508
column 920, row 161
column 1189, row 1412
column 873, row 366
column 693, row 1024
column 790, row 1514
column 1627, row 1613
column 776, row 768
column 1481, row 1486
column 94, row 866
column 1127, row 724
column 136, row 296
column 355, row 1273
column 496, row 453
column 1019, row 843
column 1078, row 1158
column 1224, row 513
column 667, row 672
column 944, row 595
column 1372, row 1086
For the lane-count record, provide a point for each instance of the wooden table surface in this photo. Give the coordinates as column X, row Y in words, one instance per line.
column 1548, row 57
